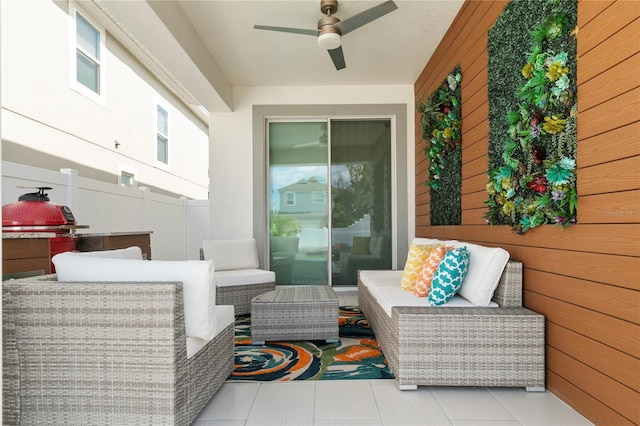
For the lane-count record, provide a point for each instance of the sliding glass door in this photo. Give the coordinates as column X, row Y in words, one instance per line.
column 329, row 191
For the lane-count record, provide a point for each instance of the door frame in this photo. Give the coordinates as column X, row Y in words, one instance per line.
column 398, row 115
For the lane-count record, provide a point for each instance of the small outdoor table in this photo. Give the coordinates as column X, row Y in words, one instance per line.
column 295, row 313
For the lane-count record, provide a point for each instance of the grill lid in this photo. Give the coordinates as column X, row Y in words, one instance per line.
column 33, row 209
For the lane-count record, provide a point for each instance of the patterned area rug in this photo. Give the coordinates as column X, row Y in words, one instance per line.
column 355, row 356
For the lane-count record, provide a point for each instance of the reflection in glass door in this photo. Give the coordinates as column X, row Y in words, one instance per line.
column 361, row 198
column 298, row 197
column 321, row 234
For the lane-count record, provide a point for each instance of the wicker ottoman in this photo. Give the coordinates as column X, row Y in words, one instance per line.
column 295, row 313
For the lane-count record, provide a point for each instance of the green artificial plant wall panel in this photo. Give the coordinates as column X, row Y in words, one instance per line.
column 532, row 115
column 441, row 126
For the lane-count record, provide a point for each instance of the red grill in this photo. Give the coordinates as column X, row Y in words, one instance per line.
column 33, row 213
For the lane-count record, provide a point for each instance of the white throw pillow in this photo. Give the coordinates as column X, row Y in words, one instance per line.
column 197, row 279
column 485, row 269
column 231, row 254
column 126, row 253
column 419, row 241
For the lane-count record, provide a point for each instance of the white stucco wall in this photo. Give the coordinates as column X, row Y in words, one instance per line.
column 231, row 145
column 41, row 111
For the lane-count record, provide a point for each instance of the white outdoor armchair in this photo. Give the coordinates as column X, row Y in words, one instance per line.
column 237, row 273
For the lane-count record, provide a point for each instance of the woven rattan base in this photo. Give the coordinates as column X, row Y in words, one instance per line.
column 240, row 295
column 295, row 313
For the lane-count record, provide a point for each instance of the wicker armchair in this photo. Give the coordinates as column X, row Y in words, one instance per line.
column 462, row 346
column 104, row 354
column 237, row 273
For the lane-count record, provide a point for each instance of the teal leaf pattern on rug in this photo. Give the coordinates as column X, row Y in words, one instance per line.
column 355, row 356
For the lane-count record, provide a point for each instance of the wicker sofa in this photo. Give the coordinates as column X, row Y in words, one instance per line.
column 459, row 346
column 98, row 353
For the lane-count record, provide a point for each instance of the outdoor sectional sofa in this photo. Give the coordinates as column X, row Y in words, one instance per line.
column 116, row 351
column 458, row 343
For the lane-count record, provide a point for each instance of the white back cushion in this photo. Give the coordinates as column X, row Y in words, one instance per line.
column 419, row 241
column 126, row 253
column 197, row 279
column 231, row 254
column 485, row 268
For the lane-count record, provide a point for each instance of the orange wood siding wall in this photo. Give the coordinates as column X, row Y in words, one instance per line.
column 584, row 279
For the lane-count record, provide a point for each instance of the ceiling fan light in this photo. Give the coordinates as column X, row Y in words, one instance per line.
column 329, row 41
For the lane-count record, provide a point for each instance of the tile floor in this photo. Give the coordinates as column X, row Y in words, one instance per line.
column 379, row 402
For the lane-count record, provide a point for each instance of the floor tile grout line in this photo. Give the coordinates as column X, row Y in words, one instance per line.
column 253, row 403
column 375, row 398
column 315, row 402
column 435, row 397
column 515, row 416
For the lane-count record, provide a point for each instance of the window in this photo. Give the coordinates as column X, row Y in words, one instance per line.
column 127, row 177
column 318, row 197
column 162, row 136
column 291, row 198
column 86, row 56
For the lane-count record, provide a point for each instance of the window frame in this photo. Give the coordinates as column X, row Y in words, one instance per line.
column 74, row 47
column 319, row 197
column 122, row 169
column 290, row 198
column 160, row 103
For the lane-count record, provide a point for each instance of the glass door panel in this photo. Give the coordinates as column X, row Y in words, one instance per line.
column 312, row 240
column 298, row 200
column 361, row 198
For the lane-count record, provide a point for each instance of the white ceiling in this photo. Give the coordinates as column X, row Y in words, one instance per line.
column 393, row 49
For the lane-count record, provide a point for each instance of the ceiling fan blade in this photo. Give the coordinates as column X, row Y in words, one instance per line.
column 287, row 30
column 308, row 144
column 363, row 18
column 337, row 57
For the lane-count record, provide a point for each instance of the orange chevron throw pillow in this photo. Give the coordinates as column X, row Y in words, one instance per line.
column 425, row 276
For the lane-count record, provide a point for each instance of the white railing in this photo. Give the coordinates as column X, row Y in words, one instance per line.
column 178, row 225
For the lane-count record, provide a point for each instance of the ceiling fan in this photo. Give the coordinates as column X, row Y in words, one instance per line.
column 331, row 29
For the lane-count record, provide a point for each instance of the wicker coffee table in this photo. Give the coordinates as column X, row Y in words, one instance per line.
column 295, row 313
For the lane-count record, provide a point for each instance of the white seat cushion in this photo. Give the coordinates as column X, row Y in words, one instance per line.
column 381, row 278
column 243, row 277
column 198, row 286
column 225, row 316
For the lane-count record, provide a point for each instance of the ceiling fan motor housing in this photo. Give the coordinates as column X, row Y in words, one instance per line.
column 326, row 25
column 328, row 7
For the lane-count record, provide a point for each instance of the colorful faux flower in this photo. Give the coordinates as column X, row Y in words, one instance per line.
column 555, row 71
column 505, row 184
column 558, row 175
column 527, row 70
column 535, row 131
column 558, row 195
column 508, row 208
column 567, row 163
column 553, row 124
column 539, row 154
column 538, row 184
column 490, row 187
column 451, row 81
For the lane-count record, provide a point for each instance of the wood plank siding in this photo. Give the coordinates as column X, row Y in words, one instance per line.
column 584, row 279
